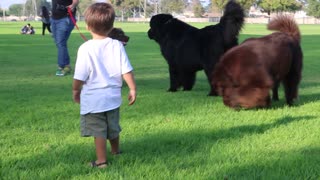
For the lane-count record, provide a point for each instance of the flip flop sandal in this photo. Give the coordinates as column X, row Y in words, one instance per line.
column 99, row 165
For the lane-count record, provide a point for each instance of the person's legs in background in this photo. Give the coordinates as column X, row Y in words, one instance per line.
column 43, row 28
column 61, row 30
column 48, row 27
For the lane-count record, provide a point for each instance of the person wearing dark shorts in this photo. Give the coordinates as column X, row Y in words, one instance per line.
column 104, row 124
column 101, row 65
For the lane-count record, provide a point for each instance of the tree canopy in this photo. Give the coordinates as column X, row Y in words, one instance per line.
column 269, row 6
column 220, row 4
column 31, row 7
column 169, row 6
column 132, row 8
column 16, row 9
column 83, row 5
column 313, row 8
column 197, row 8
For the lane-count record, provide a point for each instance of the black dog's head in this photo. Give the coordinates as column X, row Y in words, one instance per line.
column 118, row 34
column 157, row 23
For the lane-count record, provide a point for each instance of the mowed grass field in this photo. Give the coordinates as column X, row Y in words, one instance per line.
column 182, row 135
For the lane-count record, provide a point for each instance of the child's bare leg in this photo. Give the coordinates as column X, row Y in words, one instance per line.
column 100, row 143
column 115, row 145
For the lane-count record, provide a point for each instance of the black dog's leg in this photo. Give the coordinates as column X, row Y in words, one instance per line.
column 188, row 79
column 275, row 95
column 174, row 79
column 213, row 91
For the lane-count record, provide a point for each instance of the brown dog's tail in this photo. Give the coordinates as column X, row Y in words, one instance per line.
column 285, row 24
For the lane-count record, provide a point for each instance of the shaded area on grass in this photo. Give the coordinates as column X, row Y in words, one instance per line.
column 70, row 160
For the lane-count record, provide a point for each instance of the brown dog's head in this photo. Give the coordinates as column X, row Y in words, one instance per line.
column 242, row 80
column 246, row 97
column 118, row 34
column 247, row 92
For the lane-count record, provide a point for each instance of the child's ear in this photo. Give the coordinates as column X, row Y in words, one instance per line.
column 87, row 27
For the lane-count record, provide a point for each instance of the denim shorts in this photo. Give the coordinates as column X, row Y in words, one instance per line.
column 104, row 124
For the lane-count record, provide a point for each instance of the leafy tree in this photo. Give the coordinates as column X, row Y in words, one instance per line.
column 313, row 8
column 33, row 7
column 290, row 5
column 149, row 9
column 83, row 4
column 126, row 8
column 170, row 6
column 269, row 6
column 246, row 4
column 1, row 12
column 131, row 6
column 198, row 10
column 219, row 3
column 16, row 9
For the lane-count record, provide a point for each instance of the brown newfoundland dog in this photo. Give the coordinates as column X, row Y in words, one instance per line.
column 246, row 73
column 188, row 49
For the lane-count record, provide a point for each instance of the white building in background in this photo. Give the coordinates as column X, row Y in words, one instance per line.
column 300, row 14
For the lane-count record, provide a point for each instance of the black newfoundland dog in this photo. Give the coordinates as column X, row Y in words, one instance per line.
column 188, row 49
column 118, row 34
column 246, row 73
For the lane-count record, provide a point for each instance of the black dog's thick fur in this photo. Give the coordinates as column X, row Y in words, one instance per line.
column 188, row 49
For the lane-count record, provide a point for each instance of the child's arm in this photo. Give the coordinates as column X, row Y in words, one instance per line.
column 129, row 78
column 76, row 90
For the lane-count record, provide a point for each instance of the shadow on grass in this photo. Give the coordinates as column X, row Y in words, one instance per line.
column 196, row 145
column 57, row 162
column 158, row 149
column 168, row 139
column 305, row 85
column 295, row 164
column 303, row 99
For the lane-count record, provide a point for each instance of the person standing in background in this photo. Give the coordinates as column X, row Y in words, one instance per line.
column 45, row 18
column 61, row 26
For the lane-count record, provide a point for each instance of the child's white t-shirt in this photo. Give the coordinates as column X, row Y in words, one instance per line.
column 100, row 64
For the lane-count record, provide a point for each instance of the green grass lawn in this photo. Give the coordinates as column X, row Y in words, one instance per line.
column 183, row 135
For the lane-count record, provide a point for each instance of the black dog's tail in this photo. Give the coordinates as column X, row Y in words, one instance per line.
column 285, row 24
column 232, row 21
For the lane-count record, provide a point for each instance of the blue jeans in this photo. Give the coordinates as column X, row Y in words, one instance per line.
column 61, row 30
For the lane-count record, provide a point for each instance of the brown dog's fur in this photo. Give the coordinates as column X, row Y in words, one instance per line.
column 118, row 34
column 246, row 73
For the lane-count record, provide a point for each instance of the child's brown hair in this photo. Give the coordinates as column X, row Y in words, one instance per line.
column 100, row 17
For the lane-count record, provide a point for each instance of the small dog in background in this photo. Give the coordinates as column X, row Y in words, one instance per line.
column 118, row 34
column 246, row 73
